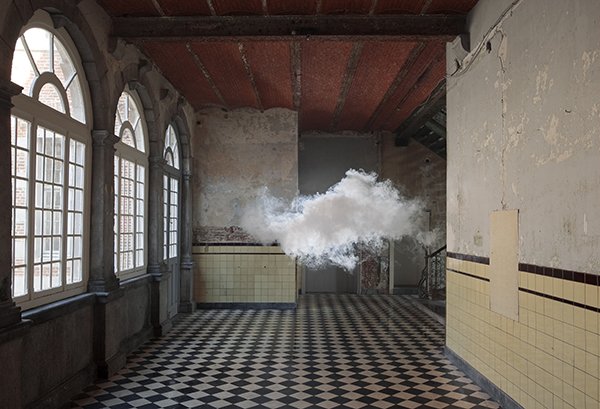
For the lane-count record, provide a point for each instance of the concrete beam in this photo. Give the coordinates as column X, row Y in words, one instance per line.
column 332, row 27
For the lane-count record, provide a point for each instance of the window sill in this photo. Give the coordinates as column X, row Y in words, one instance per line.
column 57, row 309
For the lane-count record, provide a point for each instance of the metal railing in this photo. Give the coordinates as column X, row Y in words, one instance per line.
column 432, row 284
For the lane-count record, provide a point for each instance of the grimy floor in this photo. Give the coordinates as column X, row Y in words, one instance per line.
column 333, row 351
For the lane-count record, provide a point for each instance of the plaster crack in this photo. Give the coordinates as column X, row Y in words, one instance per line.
column 502, row 51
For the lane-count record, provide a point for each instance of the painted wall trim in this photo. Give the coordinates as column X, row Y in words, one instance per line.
column 505, row 401
column 468, row 257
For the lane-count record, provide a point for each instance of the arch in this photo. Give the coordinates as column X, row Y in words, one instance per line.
column 65, row 15
column 49, row 146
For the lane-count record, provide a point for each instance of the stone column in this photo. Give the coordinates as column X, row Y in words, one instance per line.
column 155, row 215
column 10, row 314
column 186, row 298
column 102, row 241
column 156, row 266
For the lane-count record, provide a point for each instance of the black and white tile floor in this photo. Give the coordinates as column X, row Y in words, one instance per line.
column 333, row 351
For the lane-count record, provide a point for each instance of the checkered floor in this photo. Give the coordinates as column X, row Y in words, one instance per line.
column 333, row 351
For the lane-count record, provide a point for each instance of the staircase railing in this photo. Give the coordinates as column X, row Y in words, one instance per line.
column 432, row 284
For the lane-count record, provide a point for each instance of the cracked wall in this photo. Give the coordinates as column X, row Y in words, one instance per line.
column 235, row 154
column 524, row 134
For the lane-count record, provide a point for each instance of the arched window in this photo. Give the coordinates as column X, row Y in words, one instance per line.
column 171, row 178
column 50, row 145
column 131, row 161
column 171, row 195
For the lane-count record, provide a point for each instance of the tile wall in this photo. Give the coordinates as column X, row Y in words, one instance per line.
column 550, row 357
column 243, row 274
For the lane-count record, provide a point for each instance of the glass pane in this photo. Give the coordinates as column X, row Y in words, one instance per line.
column 49, row 95
column 76, row 102
column 77, row 271
column 56, row 275
column 59, row 146
column 20, row 222
column 37, row 278
column 20, row 251
column 63, row 66
column 21, row 195
column 22, row 71
column 22, row 133
column 127, row 137
column 19, row 282
column 139, row 138
column 39, row 42
column 69, row 271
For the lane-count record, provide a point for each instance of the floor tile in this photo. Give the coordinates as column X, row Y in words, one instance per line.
column 333, row 351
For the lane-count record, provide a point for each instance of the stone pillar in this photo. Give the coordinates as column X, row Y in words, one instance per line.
column 156, row 266
column 10, row 314
column 155, row 215
column 186, row 298
column 102, row 269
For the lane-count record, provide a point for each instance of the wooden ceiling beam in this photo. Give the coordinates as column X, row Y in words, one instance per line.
column 332, row 27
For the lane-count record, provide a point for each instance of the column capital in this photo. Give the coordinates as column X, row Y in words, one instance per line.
column 157, row 162
column 102, row 137
column 8, row 89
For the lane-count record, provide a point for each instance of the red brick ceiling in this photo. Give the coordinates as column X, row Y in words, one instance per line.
column 335, row 85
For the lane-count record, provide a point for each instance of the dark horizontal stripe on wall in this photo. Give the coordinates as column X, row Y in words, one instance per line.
column 469, row 257
column 235, row 244
column 469, row 275
column 575, row 276
column 551, row 297
column 238, row 254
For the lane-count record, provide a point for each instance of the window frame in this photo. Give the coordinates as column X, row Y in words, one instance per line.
column 139, row 158
column 39, row 115
column 171, row 172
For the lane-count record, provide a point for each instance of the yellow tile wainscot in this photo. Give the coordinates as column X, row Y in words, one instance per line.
column 243, row 274
column 549, row 357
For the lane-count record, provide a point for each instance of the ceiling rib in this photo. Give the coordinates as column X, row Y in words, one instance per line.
column 339, row 27
column 373, row 7
column 158, row 8
column 206, row 74
column 319, row 6
column 348, row 77
column 426, row 6
column 416, row 51
column 296, row 52
column 211, row 6
column 250, row 75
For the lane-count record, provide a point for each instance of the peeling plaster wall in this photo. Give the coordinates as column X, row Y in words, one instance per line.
column 524, row 134
column 236, row 153
column 524, row 121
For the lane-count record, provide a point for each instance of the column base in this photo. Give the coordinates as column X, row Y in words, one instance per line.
column 10, row 314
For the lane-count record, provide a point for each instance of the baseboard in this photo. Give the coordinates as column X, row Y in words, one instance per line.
column 246, row 306
column 501, row 397
column 62, row 394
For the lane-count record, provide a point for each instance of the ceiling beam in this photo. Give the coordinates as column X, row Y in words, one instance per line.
column 334, row 27
column 423, row 113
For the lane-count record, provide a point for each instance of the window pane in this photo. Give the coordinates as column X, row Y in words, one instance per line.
column 49, row 95
column 22, row 71
column 63, row 66
column 39, row 42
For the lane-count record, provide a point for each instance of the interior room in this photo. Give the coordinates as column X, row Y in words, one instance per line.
column 284, row 203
